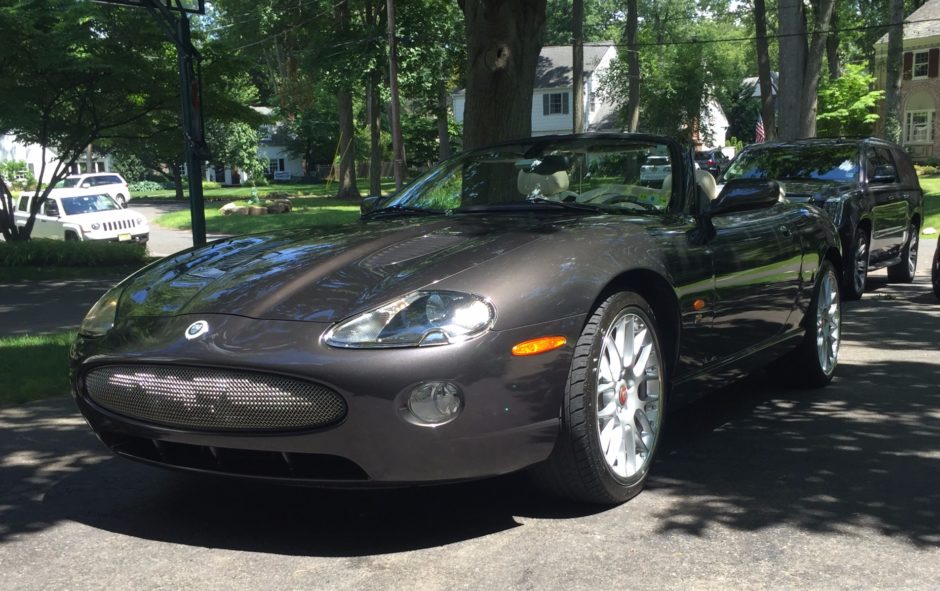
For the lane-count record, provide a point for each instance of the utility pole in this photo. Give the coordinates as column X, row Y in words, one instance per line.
column 397, row 150
column 191, row 96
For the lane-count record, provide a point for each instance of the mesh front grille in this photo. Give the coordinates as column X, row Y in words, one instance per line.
column 213, row 399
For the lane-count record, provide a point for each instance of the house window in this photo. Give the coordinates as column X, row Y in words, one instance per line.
column 555, row 103
column 921, row 64
column 592, row 102
column 918, row 127
column 275, row 165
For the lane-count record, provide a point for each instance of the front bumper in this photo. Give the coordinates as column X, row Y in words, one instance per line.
column 510, row 418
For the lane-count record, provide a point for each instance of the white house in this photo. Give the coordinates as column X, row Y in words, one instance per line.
column 280, row 164
column 553, row 92
column 12, row 150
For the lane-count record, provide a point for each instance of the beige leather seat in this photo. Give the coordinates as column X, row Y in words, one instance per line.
column 703, row 179
column 550, row 186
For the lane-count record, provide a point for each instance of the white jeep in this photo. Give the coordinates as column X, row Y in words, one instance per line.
column 83, row 214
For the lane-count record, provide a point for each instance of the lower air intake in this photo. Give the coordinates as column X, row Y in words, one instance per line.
column 213, row 399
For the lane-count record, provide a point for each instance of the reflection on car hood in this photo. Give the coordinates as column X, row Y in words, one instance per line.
column 319, row 275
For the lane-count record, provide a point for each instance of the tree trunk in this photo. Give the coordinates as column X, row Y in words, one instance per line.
column 763, row 72
column 633, row 70
column 504, row 38
column 792, row 21
column 398, row 149
column 178, row 180
column 577, row 65
column 347, row 162
column 344, row 107
column 809, row 94
column 832, row 48
column 443, row 129
column 375, row 135
column 892, row 121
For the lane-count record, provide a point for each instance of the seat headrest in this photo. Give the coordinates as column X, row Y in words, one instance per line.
column 531, row 183
column 706, row 181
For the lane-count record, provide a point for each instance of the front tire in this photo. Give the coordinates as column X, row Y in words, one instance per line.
column 856, row 272
column 122, row 200
column 814, row 362
column 614, row 407
column 904, row 271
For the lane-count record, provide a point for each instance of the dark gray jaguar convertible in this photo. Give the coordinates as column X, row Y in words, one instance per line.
column 532, row 305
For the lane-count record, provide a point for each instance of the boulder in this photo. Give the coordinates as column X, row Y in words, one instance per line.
column 257, row 210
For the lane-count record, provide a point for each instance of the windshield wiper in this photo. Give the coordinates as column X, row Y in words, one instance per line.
column 399, row 210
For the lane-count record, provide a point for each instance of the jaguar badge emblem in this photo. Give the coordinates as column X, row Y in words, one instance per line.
column 197, row 329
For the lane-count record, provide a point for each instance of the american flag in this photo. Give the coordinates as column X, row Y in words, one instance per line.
column 759, row 130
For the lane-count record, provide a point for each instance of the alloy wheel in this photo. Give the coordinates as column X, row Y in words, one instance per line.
column 629, row 392
column 861, row 264
column 828, row 324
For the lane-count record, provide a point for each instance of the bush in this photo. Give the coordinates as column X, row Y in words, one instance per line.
column 925, row 169
column 211, row 185
column 144, row 187
column 59, row 253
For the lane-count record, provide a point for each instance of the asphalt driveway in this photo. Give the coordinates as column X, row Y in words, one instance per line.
column 757, row 487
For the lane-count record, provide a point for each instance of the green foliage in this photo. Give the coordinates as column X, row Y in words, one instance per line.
column 144, row 187
column 17, row 175
column 45, row 358
column 926, row 169
column 306, row 213
column 603, row 21
column 130, row 167
column 847, row 104
column 211, row 185
column 59, row 253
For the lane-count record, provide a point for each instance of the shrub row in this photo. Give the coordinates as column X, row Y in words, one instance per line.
column 144, row 187
column 925, row 169
column 58, row 253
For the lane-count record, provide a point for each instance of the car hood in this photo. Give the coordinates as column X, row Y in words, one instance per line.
column 321, row 275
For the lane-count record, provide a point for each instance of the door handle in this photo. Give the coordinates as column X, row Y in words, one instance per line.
column 785, row 230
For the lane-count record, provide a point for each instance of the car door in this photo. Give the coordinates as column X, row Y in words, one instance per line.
column 48, row 224
column 889, row 209
column 757, row 260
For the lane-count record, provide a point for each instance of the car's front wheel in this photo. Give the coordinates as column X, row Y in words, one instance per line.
column 904, row 271
column 856, row 272
column 122, row 200
column 614, row 407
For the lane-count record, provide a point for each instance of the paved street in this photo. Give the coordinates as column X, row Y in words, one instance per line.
column 758, row 487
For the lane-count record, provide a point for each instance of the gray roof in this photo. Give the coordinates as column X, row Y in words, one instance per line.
column 754, row 83
column 554, row 66
column 923, row 22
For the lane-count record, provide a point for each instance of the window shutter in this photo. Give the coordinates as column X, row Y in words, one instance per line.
column 545, row 107
column 908, row 65
column 280, row 164
column 564, row 103
column 933, row 57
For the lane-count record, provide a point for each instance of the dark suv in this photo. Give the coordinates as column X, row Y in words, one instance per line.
column 714, row 161
column 867, row 186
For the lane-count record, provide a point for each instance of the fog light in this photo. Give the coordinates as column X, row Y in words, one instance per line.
column 435, row 403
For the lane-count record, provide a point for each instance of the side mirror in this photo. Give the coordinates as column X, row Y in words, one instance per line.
column 86, row 185
column 52, row 210
column 370, row 203
column 884, row 174
column 745, row 195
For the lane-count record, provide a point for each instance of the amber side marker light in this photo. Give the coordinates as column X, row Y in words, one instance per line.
column 537, row 346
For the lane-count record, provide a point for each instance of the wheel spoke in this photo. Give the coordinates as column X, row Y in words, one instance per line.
column 629, row 448
column 615, row 445
column 614, row 358
column 608, row 411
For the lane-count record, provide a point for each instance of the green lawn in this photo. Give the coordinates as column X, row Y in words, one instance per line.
column 310, row 211
column 245, row 192
column 931, row 187
column 34, row 367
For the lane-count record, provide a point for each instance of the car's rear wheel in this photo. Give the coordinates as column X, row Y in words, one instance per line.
column 856, row 273
column 614, row 406
column 813, row 363
column 904, row 271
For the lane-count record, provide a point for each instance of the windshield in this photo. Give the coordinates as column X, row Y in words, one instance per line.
column 88, row 204
column 66, row 183
column 820, row 162
column 600, row 175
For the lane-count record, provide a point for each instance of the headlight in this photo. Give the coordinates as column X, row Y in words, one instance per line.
column 96, row 226
column 833, row 207
column 420, row 319
column 100, row 319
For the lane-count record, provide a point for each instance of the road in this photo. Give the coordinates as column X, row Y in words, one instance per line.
column 164, row 242
column 756, row 487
